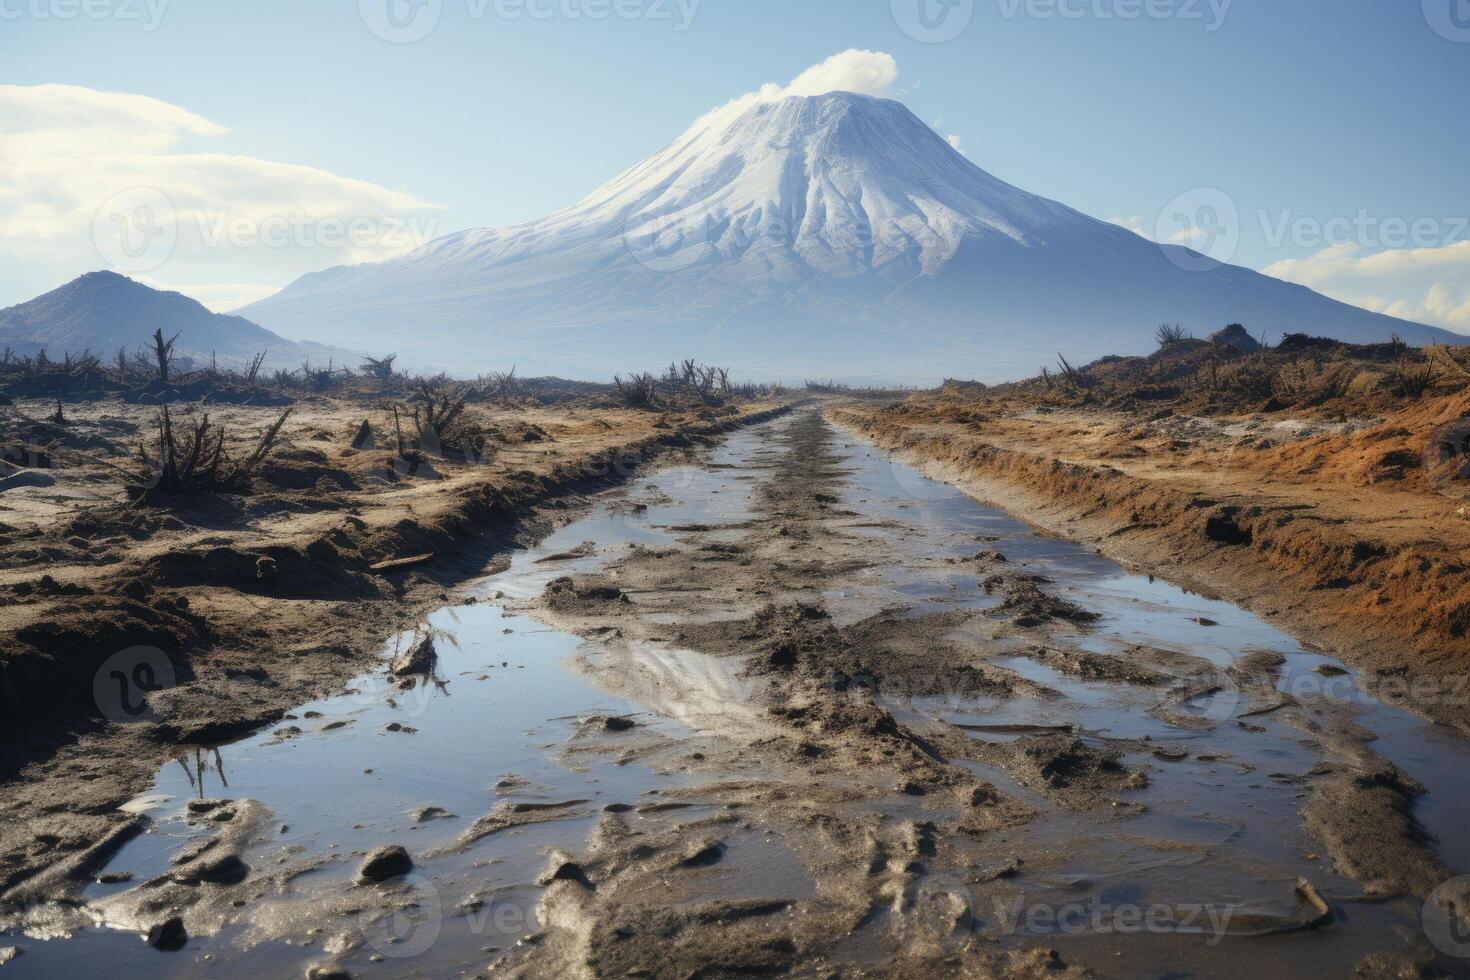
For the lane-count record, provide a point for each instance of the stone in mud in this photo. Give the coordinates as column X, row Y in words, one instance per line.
column 425, row 814
column 419, row 658
column 168, row 935
column 568, row 594
column 702, row 854
column 204, row 806
column 562, row 869
column 389, row 861
column 327, row 971
column 1028, row 605
column 226, row 869
column 616, row 723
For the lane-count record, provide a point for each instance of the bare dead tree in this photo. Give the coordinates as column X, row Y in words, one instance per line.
column 505, row 385
column 195, row 461
column 253, row 371
column 379, row 367
column 1068, row 371
column 163, row 354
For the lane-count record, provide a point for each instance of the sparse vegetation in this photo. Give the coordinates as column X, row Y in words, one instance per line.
column 639, row 391
column 1413, row 379
column 378, row 367
column 1169, row 334
column 504, row 385
column 194, row 460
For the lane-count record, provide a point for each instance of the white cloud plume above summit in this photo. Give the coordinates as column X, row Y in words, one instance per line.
column 854, row 70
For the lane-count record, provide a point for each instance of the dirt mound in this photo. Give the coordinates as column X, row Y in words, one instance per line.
column 51, row 668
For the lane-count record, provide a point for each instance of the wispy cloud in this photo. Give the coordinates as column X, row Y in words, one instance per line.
column 1431, row 285
column 235, row 225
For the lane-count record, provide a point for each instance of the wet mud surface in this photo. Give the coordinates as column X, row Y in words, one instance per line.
column 793, row 709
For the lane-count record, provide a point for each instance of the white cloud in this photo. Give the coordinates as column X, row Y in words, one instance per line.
column 864, row 72
column 219, row 297
column 955, row 141
column 236, row 226
column 1431, row 285
column 1133, row 224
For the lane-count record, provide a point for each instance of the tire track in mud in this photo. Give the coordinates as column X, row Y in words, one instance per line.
column 911, row 834
column 867, row 778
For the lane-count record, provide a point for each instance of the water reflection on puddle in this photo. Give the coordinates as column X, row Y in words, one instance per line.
column 507, row 702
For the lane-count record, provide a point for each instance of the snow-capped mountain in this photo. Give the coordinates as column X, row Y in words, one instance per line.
column 834, row 234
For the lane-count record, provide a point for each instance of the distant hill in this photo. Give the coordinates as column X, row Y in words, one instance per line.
column 103, row 311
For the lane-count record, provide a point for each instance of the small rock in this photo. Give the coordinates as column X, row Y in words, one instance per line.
column 8, row 953
column 227, row 869
column 169, row 935
column 703, row 855
column 419, row 658
column 386, row 862
column 327, row 971
column 114, row 877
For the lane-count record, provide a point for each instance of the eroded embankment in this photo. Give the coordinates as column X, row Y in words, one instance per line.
column 825, row 717
column 1400, row 608
column 248, row 627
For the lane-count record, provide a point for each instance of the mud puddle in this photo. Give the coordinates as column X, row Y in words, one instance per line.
column 624, row 790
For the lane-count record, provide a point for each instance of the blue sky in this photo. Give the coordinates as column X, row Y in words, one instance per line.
column 1324, row 122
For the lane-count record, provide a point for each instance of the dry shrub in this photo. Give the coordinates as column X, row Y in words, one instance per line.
column 194, row 460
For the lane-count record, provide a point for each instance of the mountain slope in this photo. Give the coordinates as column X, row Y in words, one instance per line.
column 103, row 311
column 833, row 234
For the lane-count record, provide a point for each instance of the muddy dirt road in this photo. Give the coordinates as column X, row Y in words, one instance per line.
column 793, row 708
